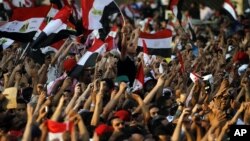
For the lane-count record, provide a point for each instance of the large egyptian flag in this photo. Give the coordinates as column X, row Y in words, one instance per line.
column 22, row 27
column 89, row 58
column 95, row 13
column 55, row 30
column 228, row 6
column 158, row 43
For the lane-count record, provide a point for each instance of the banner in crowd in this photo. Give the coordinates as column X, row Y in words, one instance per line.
column 158, row 43
column 23, row 27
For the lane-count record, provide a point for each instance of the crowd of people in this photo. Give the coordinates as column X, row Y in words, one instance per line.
column 98, row 105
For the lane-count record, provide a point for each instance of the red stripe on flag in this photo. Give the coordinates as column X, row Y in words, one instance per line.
column 173, row 3
column 145, row 49
column 159, row 35
column 57, row 127
column 97, row 43
column 63, row 14
column 18, row 13
column 86, row 7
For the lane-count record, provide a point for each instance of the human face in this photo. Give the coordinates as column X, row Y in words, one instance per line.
column 222, row 101
column 118, row 125
column 154, row 112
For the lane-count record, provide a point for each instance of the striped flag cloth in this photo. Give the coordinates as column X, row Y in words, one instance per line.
column 158, row 43
column 110, row 39
column 95, row 13
column 88, row 59
column 176, row 7
column 22, row 27
column 52, row 32
column 228, row 6
column 57, row 129
column 139, row 79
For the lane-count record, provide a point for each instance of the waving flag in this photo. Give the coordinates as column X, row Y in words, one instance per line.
column 228, row 6
column 110, row 39
column 22, row 27
column 139, row 79
column 56, row 129
column 88, row 59
column 95, row 13
column 158, row 43
column 52, row 32
column 176, row 7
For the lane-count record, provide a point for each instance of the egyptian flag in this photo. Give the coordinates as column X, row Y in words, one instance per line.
column 22, row 27
column 89, row 58
column 158, row 43
column 56, row 129
column 110, row 39
column 176, row 7
column 55, row 30
column 130, row 12
column 139, row 79
column 228, row 6
column 194, row 76
column 95, row 13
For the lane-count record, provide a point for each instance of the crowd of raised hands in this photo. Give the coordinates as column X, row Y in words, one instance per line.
column 97, row 106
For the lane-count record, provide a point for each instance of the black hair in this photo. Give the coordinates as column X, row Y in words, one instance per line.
column 149, row 85
column 109, row 83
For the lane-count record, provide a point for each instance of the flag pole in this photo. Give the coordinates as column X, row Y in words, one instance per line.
column 124, row 22
column 23, row 53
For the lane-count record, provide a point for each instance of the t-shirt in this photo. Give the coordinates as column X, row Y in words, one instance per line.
column 127, row 67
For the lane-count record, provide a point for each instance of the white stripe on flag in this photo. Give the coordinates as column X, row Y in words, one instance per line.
column 26, row 26
column 85, row 56
column 95, row 13
column 6, row 42
column 55, row 136
column 230, row 9
column 156, row 43
column 137, row 85
column 53, row 25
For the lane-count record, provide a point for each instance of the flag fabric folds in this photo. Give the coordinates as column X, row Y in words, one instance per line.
column 176, row 7
column 227, row 5
column 89, row 58
column 5, row 43
column 23, row 27
column 95, row 13
column 158, row 43
column 110, row 39
column 52, row 30
column 139, row 79
column 56, row 129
